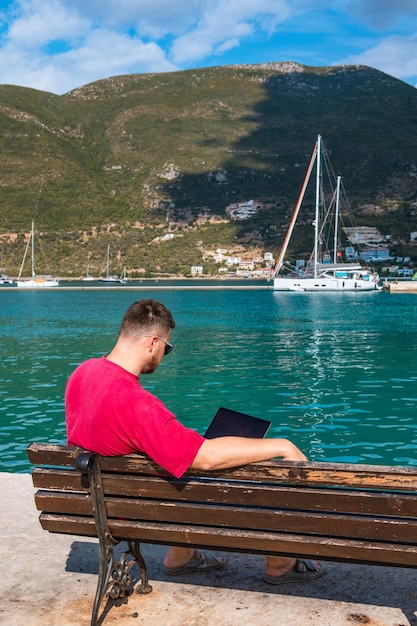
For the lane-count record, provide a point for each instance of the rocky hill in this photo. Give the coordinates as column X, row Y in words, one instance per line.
column 130, row 159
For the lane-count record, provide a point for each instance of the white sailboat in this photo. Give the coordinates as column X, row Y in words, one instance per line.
column 87, row 275
column 325, row 270
column 108, row 278
column 36, row 281
column 123, row 276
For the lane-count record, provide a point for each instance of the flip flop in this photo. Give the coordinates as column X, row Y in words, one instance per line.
column 199, row 562
column 302, row 572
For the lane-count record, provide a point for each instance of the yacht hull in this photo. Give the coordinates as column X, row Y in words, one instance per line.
column 324, row 284
column 37, row 283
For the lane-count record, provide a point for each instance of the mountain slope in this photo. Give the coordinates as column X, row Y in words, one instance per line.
column 123, row 159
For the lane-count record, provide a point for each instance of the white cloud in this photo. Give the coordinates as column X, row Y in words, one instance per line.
column 42, row 22
column 396, row 56
column 50, row 47
column 152, row 18
column 103, row 54
column 226, row 23
column 106, row 53
column 58, row 45
column 158, row 18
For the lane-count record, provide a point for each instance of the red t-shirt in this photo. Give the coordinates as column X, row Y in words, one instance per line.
column 108, row 412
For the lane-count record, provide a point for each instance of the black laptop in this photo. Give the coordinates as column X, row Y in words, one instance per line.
column 229, row 423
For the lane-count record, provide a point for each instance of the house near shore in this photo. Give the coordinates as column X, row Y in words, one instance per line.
column 373, row 255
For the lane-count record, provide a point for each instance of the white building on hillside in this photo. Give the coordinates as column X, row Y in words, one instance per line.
column 242, row 210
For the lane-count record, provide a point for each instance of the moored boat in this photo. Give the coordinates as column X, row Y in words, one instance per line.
column 87, row 276
column 38, row 282
column 5, row 280
column 35, row 282
column 325, row 270
column 108, row 278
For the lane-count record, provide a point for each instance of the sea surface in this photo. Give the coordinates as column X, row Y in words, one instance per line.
column 336, row 373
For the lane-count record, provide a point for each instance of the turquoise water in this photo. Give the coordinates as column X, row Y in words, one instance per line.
column 336, row 373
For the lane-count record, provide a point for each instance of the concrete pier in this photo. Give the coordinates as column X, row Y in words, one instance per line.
column 50, row 580
column 404, row 286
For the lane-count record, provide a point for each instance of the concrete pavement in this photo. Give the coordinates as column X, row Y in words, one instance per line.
column 50, row 580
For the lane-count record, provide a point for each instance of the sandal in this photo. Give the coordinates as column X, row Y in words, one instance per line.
column 200, row 561
column 302, row 572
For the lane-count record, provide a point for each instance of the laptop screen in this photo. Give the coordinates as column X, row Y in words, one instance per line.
column 229, row 423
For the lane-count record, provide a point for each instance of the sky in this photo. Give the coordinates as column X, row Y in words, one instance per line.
column 59, row 45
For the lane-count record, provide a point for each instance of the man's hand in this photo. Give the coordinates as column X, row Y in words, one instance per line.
column 293, row 453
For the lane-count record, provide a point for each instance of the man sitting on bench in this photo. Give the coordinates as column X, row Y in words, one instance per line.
column 108, row 412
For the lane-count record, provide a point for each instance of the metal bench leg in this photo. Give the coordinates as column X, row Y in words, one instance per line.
column 134, row 549
column 112, row 575
column 115, row 575
column 105, row 568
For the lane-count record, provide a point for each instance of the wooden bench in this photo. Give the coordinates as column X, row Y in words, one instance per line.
column 330, row 511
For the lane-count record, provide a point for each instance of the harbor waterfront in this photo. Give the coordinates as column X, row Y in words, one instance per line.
column 334, row 372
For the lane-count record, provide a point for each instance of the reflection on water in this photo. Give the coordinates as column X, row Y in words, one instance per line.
column 336, row 373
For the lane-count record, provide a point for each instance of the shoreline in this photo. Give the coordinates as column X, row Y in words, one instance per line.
column 154, row 283
column 389, row 284
column 136, row 287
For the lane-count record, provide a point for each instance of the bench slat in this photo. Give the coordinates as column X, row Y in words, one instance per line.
column 368, row 503
column 308, row 473
column 231, row 540
column 383, row 503
column 52, row 454
column 238, row 517
column 59, row 479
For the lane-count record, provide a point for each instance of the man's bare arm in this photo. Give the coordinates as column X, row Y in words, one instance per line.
column 226, row 452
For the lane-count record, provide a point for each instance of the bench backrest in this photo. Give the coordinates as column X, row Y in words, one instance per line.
column 361, row 513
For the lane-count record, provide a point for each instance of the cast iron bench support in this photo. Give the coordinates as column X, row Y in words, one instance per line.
column 113, row 576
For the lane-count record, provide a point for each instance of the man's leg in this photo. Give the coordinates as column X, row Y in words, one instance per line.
column 278, row 565
column 176, row 557
column 183, row 560
column 281, row 570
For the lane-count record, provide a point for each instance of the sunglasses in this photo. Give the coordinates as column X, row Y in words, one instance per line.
column 168, row 346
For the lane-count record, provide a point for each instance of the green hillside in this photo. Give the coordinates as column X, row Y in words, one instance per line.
column 128, row 159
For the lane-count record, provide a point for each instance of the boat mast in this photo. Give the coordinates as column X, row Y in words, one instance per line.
column 33, row 249
column 108, row 261
column 295, row 214
column 24, row 256
column 316, row 221
column 336, row 220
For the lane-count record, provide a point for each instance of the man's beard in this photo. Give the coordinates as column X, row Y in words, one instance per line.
column 151, row 365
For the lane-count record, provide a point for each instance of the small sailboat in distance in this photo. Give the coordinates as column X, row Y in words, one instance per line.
column 108, row 278
column 36, row 281
column 87, row 275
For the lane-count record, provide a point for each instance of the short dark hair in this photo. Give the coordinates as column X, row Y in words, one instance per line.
column 146, row 316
